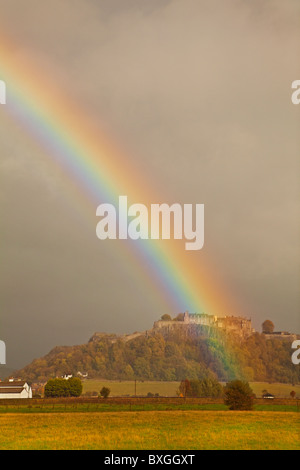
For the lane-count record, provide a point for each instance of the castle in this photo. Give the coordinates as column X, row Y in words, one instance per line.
column 239, row 326
column 190, row 324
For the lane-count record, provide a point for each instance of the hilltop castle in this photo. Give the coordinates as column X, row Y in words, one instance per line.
column 239, row 326
column 190, row 324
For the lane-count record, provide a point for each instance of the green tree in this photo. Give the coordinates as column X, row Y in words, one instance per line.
column 104, row 392
column 208, row 387
column 128, row 372
column 75, row 387
column 55, row 388
column 238, row 395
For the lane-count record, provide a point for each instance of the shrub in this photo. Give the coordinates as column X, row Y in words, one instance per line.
column 55, row 388
column 104, row 392
column 208, row 387
column 238, row 395
column 75, row 387
column 58, row 387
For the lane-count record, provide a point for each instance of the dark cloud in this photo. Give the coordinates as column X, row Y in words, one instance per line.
column 199, row 93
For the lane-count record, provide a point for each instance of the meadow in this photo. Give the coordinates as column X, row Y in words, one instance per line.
column 170, row 430
column 157, row 423
column 169, row 389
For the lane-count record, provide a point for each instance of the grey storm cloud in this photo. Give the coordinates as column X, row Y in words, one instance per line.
column 198, row 92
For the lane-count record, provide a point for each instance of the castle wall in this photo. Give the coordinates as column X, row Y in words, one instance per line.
column 232, row 325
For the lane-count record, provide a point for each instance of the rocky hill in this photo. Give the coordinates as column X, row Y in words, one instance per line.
column 173, row 350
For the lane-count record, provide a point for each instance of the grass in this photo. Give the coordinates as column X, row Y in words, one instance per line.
column 150, row 424
column 107, row 406
column 171, row 430
column 127, row 387
column 279, row 390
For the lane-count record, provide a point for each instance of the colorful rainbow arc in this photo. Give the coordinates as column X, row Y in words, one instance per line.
column 98, row 172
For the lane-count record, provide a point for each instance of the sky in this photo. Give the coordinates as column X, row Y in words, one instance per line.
column 197, row 95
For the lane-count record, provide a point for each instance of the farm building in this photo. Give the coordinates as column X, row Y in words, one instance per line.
column 15, row 389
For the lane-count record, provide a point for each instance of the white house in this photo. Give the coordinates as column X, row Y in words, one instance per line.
column 15, row 389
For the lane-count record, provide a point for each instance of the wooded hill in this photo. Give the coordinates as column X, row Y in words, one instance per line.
column 154, row 356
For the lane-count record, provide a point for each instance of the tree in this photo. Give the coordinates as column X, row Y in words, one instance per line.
column 59, row 387
column 166, row 317
column 55, row 388
column 180, row 317
column 104, row 392
column 75, row 387
column 208, row 387
column 128, row 372
column 267, row 327
column 238, row 395
column 184, row 388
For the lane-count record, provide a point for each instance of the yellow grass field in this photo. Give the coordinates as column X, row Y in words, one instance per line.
column 170, row 430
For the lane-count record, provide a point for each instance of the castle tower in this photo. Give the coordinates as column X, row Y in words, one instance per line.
column 186, row 317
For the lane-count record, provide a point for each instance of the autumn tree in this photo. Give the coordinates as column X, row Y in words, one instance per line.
column 184, row 388
column 180, row 317
column 267, row 327
column 166, row 317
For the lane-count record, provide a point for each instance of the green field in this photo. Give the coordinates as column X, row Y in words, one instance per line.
column 150, row 423
column 123, row 388
column 110, row 405
column 189, row 430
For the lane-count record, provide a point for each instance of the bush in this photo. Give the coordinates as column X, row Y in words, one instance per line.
column 238, row 395
column 208, row 387
column 75, row 387
column 104, row 392
column 55, row 388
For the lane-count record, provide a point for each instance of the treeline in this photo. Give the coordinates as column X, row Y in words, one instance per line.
column 59, row 387
column 170, row 358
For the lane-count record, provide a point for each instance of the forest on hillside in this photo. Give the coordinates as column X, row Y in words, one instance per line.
column 156, row 357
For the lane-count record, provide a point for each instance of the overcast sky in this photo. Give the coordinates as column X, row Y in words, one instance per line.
column 199, row 93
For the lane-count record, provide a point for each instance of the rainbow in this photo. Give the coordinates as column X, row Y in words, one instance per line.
column 96, row 170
